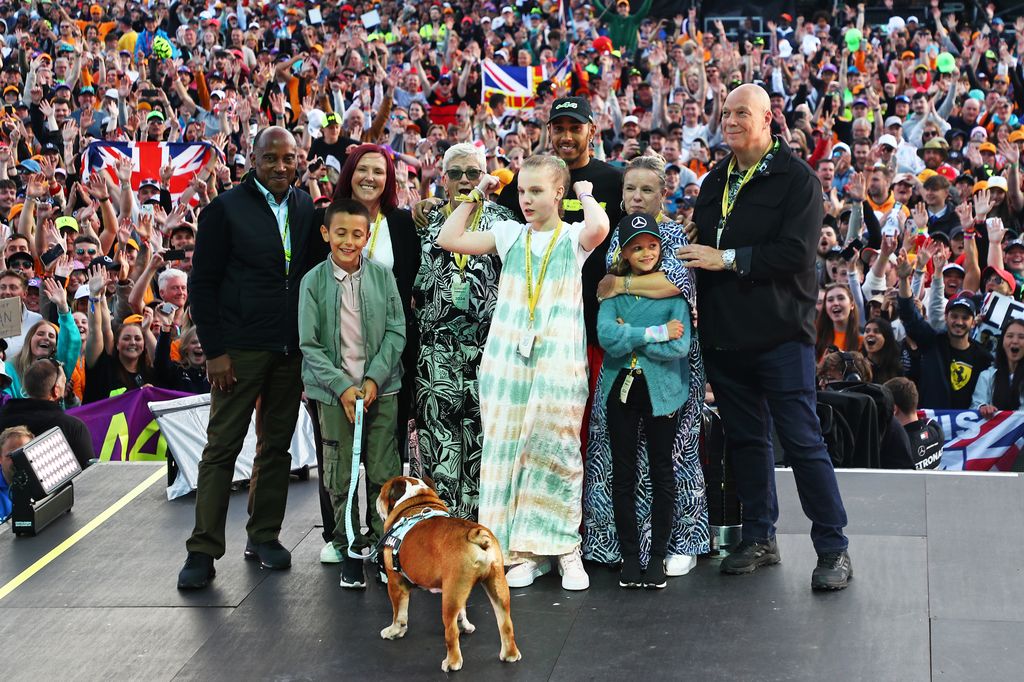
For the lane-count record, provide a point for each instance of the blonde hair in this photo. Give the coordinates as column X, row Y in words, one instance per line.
column 14, row 432
column 557, row 168
column 186, row 338
column 650, row 161
column 23, row 359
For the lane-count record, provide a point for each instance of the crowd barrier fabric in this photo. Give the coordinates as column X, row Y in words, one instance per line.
column 183, row 423
column 123, row 428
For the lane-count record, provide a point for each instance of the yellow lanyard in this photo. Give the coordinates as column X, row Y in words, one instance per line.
column 727, row 205
column 461, row 259
column 376, row 232
column 286, row 242
column 533, row 295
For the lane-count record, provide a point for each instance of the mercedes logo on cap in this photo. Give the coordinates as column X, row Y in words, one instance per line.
column 639, row 222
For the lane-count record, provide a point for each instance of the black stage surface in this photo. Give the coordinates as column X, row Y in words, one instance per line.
column 938, row 593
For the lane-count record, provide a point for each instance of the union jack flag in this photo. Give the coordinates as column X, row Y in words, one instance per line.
column 561, row 73
column 518, row 83
column 186, row 158
column 977, row 444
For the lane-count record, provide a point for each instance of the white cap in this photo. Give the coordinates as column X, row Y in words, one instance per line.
column 112, row 93
column 239, row 159
column 82, row 291
column 332, row 162
column 888, row 140
column 998, row 182
column 506, row 8
column 842, row 146
column 217, row 93
column 785, row 49
column 497, row 23
column 630, row 119
column 912, row 20
column 895, row 24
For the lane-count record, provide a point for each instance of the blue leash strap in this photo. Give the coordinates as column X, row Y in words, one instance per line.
column 353, row 481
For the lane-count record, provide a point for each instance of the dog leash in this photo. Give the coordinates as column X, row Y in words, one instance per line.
column 353, row 481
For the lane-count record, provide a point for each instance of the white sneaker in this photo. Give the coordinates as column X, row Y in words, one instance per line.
column 679, row 564
column 523, row 575
column 574, row 576
column 329, row 554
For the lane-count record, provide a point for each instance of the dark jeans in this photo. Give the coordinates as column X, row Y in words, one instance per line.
column 326, row 509
column 274, row 379
column 623, row 434
column 753, row 389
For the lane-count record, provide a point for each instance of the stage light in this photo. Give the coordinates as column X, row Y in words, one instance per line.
column 42, row 489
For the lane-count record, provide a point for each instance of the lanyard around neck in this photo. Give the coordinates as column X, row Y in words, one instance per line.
column 376, row 233
column 533, row 294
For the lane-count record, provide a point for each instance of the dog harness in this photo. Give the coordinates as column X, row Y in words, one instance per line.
column 393, row 538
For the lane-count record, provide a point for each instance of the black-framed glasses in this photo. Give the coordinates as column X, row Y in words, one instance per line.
column 471, row 174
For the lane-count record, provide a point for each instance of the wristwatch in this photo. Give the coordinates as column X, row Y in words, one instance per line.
column 729, row 259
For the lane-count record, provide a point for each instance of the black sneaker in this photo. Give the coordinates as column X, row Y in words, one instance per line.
column 833, row 571
column 197, row 572
column 654, row 576
column 750, row 556
column 271, row 554
column 352, row 575
column 631, row 574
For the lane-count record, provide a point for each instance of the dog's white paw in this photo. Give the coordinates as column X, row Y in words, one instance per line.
column 466, row 626
column 452, row 666
column 394, row 631
column 510, row 658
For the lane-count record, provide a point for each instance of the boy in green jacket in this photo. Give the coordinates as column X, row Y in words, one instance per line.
column 352, row 333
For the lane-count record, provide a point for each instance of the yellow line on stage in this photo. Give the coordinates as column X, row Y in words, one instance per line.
column 41, row 563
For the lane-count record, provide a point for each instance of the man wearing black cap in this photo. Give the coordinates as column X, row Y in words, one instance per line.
column 950, row 361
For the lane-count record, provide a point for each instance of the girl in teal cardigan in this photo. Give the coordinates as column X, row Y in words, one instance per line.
column 645, row 379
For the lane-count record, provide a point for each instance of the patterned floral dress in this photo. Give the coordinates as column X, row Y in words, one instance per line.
column 531, row 478
column 690, row 533
column 451, row 344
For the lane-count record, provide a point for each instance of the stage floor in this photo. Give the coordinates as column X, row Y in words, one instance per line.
column 938, row 593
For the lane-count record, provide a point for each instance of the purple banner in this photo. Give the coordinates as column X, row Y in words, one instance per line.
column 123, row 429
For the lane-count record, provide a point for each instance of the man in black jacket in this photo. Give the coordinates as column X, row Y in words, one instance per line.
column 758, row 220
column 254, row 244
column 44, row 383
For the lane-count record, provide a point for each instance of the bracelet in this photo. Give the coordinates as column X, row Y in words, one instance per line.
column 584, row 196
column 102, row 199
column 628, row 280
column 93, row 300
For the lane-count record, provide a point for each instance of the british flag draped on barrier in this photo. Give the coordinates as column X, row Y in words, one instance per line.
column 186, row 158
column 977, row 444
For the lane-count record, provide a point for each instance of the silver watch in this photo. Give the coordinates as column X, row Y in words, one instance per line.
column 729, row 259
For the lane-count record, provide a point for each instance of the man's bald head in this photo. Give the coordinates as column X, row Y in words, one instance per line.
column 274, row 159
column 746, row 123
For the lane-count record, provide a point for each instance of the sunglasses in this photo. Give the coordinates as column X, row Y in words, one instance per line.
column 470, row 173
column 928, row 135
column 82, row 252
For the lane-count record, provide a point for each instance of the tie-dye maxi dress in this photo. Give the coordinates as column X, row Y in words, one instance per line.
column 531, row 477
column 690, row 533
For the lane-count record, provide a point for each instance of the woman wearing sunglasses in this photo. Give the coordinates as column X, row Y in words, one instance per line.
column 43, row 340
column 455, row 299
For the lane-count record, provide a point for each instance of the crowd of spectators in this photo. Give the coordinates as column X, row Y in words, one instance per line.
column 913, row 128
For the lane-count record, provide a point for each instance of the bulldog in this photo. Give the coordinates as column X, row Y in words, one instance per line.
column 426, row 548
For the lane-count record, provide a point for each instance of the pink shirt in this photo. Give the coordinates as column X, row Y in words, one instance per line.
column 350, row 324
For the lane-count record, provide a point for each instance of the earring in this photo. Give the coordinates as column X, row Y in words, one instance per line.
column 622, row 205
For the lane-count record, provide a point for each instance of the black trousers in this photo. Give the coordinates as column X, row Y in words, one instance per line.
column 624, row 421
column 326, row 508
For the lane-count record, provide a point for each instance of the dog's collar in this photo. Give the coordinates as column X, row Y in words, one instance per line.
column 394, row 536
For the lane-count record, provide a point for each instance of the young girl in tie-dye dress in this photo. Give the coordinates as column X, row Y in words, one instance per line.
column 533, row 376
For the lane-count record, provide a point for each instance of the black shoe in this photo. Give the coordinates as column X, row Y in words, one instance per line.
column 352, row 575
column 271, row 554
column 197, row 572
column 654, row 576
column 833, row 571
column 749, row 556
column 631, row 574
